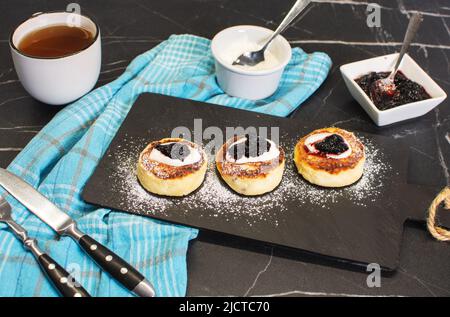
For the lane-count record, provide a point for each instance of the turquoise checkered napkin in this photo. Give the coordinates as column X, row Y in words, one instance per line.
column 60, row 159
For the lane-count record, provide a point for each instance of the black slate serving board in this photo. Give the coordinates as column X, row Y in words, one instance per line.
column 362, row 223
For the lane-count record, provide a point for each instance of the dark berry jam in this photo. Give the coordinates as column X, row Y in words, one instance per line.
column 332, row 144
column 176, row 151
column 405, row 90
column 253, row 146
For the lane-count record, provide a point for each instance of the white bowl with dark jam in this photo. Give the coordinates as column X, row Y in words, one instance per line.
column 415, row 94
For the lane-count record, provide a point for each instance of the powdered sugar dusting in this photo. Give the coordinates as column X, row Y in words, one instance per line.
column 215, row 199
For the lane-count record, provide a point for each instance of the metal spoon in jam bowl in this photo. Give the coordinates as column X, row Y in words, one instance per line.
column 256, row 57
column 385, row 88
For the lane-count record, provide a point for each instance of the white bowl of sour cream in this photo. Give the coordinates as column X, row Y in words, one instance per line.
column 249, row 82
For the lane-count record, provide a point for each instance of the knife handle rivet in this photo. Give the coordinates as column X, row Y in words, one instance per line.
column 109, row 258
column 124, row 270
column 63, row 280
column 77, row 295
column 93, row 247
column 51, row 266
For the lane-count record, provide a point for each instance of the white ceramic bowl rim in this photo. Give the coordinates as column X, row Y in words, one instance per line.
column 242, row 70
column 35, row 15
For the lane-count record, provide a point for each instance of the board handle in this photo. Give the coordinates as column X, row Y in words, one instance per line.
column 438, row 232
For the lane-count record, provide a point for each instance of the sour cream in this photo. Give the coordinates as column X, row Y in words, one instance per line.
column 273, row 153
column 237, row 49
column 193, row 157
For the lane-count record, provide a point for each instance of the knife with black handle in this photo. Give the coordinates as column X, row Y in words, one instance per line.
column 59, row 221
column 110, row 262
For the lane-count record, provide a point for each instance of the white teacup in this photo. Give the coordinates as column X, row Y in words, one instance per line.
column 57, row 80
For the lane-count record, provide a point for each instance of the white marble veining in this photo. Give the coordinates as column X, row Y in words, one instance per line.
column 405, row 133
column 10, row 149
column 113, row 70
column 438, row 46
column 266, row 267
column 10, row 81
column 21, row 127
column 6, row 72
column 441, row 158
column 401, row 7
column 308, row 293
column 422, row 153
column 127, row 40
column 116, row 62
column 13, row 99
column 426, row 284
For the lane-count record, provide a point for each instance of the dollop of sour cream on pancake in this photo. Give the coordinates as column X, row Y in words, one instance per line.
column 312, row 140
column 273, row 153
column 193, row 157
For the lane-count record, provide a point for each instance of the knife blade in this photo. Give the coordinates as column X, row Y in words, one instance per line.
column 36, row 202
column 63, row 224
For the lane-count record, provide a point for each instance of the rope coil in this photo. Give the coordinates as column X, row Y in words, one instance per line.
column 439, row 233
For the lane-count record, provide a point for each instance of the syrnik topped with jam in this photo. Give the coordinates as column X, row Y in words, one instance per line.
column 172, row 167
column 330, row 157
column 251, row 165
column 406, row 90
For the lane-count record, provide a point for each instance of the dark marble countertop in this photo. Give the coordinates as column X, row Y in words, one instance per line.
column 220, row 265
